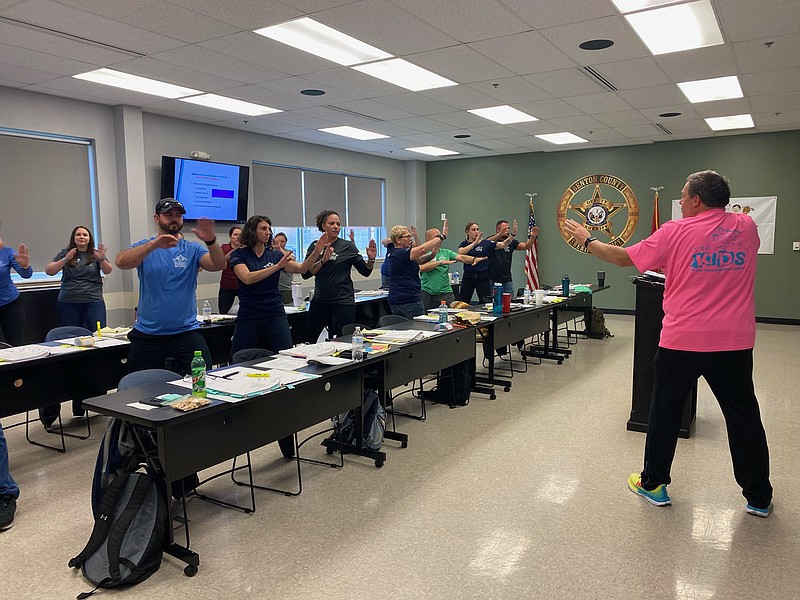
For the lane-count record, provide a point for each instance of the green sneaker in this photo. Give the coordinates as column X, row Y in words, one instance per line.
column 657, row 496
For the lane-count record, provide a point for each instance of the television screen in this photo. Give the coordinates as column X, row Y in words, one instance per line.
column 206, row 189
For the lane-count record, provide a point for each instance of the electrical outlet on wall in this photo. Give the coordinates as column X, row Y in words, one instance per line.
column 796, row 246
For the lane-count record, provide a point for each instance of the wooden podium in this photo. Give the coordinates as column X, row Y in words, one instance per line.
column 647, row 331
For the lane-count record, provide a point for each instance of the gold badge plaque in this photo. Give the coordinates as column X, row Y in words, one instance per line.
column 589, row 197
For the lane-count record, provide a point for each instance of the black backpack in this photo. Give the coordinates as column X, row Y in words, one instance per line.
column 128, row 535
column 454, row 384
column 374, row 422
column 597, row 325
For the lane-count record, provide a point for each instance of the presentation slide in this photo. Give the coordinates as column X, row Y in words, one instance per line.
column 207, row 189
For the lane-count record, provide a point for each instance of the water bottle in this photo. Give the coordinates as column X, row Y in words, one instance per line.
column 358, row 345
column 442, row 312
column 455, row 278
column 206, row 312
column 527, row 297
column 565, row 286
column 497, row 299
column 198, row 375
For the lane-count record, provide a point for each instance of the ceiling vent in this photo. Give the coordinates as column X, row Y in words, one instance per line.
column 600, row 79
column 662, row 128
column 353, row 113
column 70, row 36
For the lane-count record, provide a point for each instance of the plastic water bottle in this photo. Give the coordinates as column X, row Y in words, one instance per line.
column 358, row 345
column 497, row 299
column 455, row 278
column 442, row 312
column 527, row 297
column 206, row 312
column 565, row 286
column 198, row 375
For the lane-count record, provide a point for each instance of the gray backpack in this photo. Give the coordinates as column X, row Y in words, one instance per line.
column 128, row 535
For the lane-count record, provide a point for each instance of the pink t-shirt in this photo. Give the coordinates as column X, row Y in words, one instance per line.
column 709, row 261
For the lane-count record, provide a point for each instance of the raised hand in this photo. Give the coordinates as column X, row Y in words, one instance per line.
column 534, row 232
column 100, row 252
column 70, row 255
column 205, row 230
column 372, row 250
column 23, row 258
column 514, row 228
column 326, row 256
column 444, row 228
column 352, row 235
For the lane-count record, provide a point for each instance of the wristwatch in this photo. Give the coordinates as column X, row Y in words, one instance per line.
column 211, row 242
column 441, row 236
column 586, row 243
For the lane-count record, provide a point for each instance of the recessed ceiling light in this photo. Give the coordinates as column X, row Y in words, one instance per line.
column 354, row 132
column 135, row 83
column 626, row 6
column 313, row 92
column 403, row 73
column 462, row 136
column 231, row 105
column 503, row 114
column 667, row 115
column 564, row 137
column 320, row 40
column 432, row 150
column 596, row 44
column 706, row 90
column 676, row 28
column 732, row 122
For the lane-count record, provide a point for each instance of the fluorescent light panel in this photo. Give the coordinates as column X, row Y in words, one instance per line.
column 503, row 114
column 565, row 137
column 626, row 6
column 320, row 40
column 231, row 105
column 432, row 151
column 732, row 122
column 677, row 28
column 706, row 90
column 403, row 73
column 135, row 83
column 354, row 132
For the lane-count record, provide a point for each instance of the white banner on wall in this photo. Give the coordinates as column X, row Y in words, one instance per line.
column 762, row 209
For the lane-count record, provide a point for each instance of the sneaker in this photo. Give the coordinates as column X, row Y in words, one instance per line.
column 657, row 496
column 759, row 512
column 8, row 506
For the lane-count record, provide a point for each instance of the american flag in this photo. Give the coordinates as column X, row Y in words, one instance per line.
column 532, row 253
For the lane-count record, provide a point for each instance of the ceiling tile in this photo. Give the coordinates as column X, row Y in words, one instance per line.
column 779, row 81
column 625, row 117
column 541, row 15
column 703, row 63
column 578, row 122
column 244, row 13
column 50, row 63
column 524, row 53
column 461, row 96
column 755, row 55
column 255, row 48
column 548, row 109
column 775, row 17
column 636, row 73
column 461, row 119
column 566, row 82
column 460, row 63
column 292, row 86
column 775, row 102
column 163, row 71
column 511, row 90
column 415, row 104
column 722, row 108
column 376, row 110
column 424, row 124
column 223, row 65
column 626, row 43
column 598, row 103
column 659, row 95
column 23, row 75
column 641, row 131
column 466, row 20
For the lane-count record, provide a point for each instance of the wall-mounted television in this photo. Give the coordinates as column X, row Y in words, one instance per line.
column 206, row 189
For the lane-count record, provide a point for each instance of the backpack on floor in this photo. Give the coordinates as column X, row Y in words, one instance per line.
column 454, row 384
column 130, row 525
column 597, row 325
column 374, row 422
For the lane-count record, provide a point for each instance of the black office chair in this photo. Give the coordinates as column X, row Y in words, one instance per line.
column 51, row 414
column 146, row 377
column 246, row 354
column 350, row 328
column 387, row 320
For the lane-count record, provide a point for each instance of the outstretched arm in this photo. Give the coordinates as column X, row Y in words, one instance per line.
column 612, row 254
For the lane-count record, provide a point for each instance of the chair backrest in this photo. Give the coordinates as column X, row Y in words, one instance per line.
column 146, row 377
column 386, row 320
column 520, row 292
column 351, row 327
column 246, row 354
column 68, row 331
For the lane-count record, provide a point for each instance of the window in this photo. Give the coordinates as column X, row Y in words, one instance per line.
column 292, row 197
column 48, row 188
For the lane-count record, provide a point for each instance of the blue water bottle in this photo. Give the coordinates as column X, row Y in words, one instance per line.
column 497, row 299
column 565, row 286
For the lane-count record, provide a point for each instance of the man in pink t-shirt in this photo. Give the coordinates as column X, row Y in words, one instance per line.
column 709, row 329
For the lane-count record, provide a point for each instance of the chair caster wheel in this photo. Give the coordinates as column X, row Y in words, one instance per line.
column 378, row 464
column 507, row 389
column 404, row 445
column 329, row 450
column 493, row 396
column 190, row 570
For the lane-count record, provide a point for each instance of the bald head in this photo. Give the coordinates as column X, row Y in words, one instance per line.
column 431, row 233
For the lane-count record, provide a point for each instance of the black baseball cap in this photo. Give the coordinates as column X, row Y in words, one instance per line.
column 167, row 204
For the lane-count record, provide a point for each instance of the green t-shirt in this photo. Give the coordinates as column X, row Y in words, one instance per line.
column 437, row 280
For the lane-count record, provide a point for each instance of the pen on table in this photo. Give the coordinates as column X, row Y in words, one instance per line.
column 99, row 334
column 229, row 375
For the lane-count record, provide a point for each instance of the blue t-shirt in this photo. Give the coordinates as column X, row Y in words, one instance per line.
column 8, row 260
column 484, row 248
column 167, row 288
column 260, row 300
column 404, row 284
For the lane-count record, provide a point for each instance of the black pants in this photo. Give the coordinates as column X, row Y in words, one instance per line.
column 225, row 300
column 12, row 322
column 475, row 282
column 151, row 351
column 332, row 316
column 730, row 377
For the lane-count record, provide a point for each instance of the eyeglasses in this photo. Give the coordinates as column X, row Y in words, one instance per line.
column 407, row 236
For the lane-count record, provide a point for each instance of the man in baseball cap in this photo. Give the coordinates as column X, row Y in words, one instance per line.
column 168, row 204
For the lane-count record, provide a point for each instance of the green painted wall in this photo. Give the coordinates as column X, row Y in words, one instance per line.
column 488, row 189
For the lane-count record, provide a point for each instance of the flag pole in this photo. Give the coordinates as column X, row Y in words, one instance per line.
column 532, row 252
column 656, row 222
